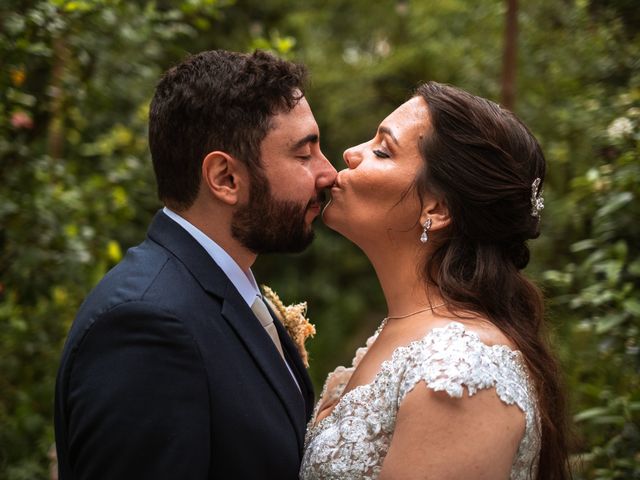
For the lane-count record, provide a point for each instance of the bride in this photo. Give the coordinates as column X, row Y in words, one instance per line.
column 458, row 381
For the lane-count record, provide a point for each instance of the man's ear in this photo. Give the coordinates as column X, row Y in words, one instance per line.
column 437, row 211
column 223, row 176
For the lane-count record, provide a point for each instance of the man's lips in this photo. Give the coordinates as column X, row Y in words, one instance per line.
column 315, row 205
column 315, row 208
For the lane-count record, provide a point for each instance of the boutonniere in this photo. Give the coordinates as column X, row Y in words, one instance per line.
column 294, row 318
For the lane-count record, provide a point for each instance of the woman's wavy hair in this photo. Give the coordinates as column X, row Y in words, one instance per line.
column 481, row 161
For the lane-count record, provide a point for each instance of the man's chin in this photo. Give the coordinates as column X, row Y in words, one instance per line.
column 310, row 216
column 291, row 247
column 309, row 233
column 314, row 210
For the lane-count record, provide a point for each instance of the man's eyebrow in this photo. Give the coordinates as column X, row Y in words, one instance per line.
column 387, row 131
column 311, row 138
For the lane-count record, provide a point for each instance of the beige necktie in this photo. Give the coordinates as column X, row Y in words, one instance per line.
column 262, row 312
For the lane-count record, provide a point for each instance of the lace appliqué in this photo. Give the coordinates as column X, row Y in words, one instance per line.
column 353, row 440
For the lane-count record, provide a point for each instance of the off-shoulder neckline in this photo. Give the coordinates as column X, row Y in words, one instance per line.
column 399, row 350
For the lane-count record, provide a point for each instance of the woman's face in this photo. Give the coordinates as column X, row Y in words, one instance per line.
column 367, row 203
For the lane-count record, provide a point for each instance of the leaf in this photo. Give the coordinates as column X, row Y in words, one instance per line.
column 119, row 196
column 590, row 414
column 583, row 245
column 632, row 306
column 60, row 295
column 558, row 277
column 21, row 98
column 609, row 322
column 614, row 202
column 608, row 420
column 114, row 252
column 77, row 6
column 14, row 23
column 634, row 267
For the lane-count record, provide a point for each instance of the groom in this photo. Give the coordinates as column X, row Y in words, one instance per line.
column 167, row 372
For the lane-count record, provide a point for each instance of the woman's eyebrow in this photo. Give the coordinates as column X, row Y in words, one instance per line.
column 387, row 131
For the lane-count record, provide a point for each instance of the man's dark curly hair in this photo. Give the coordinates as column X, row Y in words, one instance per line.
column 216, row 100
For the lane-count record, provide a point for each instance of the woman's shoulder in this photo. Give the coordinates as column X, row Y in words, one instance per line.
column 464, row 374
column 471, row 325
column 469, row 355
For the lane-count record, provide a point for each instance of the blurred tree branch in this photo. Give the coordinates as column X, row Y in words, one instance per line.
column 510, row 55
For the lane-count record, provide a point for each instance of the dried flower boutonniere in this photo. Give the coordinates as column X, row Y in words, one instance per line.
column 294, row 318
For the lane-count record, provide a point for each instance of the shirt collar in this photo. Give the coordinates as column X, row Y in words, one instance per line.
column 245, row 283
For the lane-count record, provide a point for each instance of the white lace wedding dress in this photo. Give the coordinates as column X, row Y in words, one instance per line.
column 353, row 440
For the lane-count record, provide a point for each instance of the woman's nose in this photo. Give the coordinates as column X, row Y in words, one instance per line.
column 352, row 157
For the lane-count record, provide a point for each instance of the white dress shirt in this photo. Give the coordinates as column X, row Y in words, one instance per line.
column 244, row 282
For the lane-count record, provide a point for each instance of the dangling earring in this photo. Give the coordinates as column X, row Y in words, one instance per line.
column 424, row 238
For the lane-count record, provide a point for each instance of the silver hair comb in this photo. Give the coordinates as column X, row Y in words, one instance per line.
column 537, row 200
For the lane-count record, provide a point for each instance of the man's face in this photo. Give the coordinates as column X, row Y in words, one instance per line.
column 287, row 195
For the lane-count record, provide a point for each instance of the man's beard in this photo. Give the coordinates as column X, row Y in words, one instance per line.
column 268, row 225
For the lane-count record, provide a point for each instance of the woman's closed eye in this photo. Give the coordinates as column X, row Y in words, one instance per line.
column 381, row 154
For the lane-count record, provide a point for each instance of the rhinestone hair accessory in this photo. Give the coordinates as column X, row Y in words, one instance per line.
column 537, row 200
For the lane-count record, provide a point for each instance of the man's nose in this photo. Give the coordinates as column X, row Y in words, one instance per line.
column 327, row 174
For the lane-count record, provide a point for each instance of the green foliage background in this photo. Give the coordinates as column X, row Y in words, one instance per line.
column 76, row 187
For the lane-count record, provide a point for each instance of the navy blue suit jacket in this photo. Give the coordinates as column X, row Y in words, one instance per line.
column 167, row 374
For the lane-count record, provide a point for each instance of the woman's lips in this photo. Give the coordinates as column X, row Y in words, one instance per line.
column 336, row 182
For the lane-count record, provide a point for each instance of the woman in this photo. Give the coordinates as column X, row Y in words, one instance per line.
column 458, row 381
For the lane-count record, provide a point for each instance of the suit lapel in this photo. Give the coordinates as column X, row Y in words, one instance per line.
column 260, row 346
column 239, row 316
column 295, row 362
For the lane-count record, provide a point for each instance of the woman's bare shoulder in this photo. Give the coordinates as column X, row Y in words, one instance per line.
column 487, row 332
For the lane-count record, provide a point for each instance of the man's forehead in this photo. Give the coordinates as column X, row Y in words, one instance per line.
column 301, row 110
column 295, row 125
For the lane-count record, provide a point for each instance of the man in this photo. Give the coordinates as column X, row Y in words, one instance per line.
column 167, row 373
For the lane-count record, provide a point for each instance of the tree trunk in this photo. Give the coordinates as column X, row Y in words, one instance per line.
column 509, row 58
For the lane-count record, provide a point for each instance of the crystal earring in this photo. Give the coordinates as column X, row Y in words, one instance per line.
column 424, row 238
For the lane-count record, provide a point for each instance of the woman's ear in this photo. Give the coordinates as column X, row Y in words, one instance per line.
column 223, row 175
column 437, row 211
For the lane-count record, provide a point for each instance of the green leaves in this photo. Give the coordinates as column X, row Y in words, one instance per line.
column 76, row 185
column 602, row 284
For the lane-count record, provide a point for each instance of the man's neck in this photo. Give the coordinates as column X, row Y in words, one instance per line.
column 218, row 229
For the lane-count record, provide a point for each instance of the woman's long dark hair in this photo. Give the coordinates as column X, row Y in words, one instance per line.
column 481, row 160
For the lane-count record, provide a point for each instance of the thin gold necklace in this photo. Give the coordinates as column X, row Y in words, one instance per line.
column 385, row 319
column 432, row 307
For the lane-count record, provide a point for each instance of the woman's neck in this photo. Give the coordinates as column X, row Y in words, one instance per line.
column 399, row 271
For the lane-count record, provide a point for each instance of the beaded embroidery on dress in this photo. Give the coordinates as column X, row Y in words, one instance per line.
column 352, row 441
